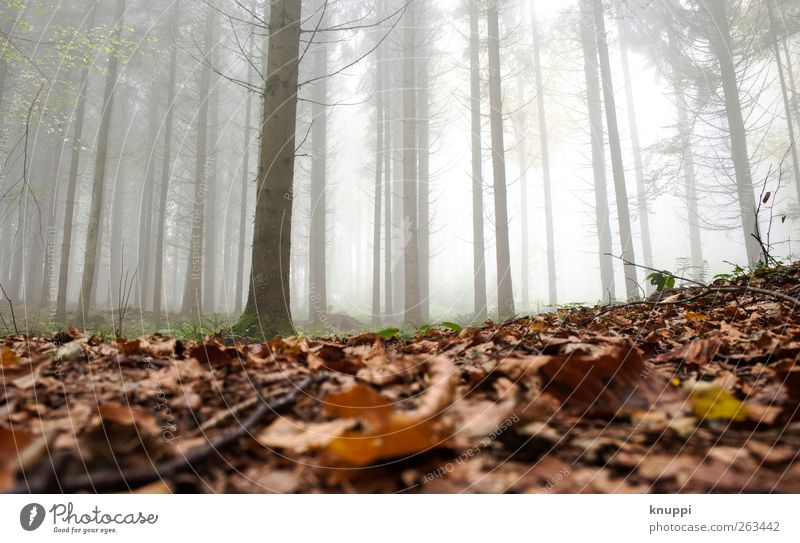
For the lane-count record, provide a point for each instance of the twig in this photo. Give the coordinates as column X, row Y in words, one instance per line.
column 665, row 272
column 11, row 306
column 125, row 480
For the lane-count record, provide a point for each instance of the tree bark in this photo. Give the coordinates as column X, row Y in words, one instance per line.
column 410, row 219
column 144, row 276
column 268, row 310
column 93, row 236
column 548, row 198
column 505, row 295
column 423, row 146
column 595, row 107
column 617, row 167
column 720, row 36
column 158, row 276
column 478, row 245
column 388, row 288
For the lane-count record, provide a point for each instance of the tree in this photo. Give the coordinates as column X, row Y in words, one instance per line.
column 617, row 167
column 548, row 199
column 478, row 246
column 595, row 107
column 267, row 311
column 505, row 296
column 410, row 218
column 93, row 236
column 376, row 223
column 166, row 163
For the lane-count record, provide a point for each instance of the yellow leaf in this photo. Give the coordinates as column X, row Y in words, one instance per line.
column 715, row 403
column 538, row 326
column 691, row 316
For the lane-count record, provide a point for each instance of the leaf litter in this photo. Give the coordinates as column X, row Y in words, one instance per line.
column 665, row 395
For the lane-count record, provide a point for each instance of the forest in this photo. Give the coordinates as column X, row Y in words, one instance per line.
column 425, row 221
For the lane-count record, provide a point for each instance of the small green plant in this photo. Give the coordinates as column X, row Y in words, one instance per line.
column 662, row 280
column 457, row 328
column 388, row 333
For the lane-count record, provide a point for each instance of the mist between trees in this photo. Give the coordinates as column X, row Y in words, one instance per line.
column 328, row 165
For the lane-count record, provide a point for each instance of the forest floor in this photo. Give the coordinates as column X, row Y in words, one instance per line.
column 694, row 390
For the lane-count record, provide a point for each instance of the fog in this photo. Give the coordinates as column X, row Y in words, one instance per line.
column 179, row 125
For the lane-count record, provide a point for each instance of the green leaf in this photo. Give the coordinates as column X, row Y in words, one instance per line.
column 662, row 280
column 453, row 326
column 424, row 328
column 389, row 333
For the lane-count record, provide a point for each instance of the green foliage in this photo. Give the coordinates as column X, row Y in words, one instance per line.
column 662, row 280
column 453, row 326
column 388, row 333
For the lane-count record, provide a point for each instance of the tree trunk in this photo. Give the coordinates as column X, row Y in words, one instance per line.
column 638, row 168
column 595, row 107
column 617, row 167
column 158, row 276
column 72, row 183
column 210, row 226
column 376, row 219
column 478, row 245
column 505, row 295
column 93, row 236
column 687, row 158
column 548, row 199
column 721, row 45
column 192, row 305
column 423, row 144
column 784, row 92
column 411, row 289
column 388, row 289
column 268, row 309
column 144, row 276
column 317, row 242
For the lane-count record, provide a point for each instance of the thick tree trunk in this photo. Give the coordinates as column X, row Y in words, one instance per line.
column 317, row 243
column 268, row 309
column 192, row 305
column 72, row 183
column 720, row 36
column 158, row 275
column 595, row 106
column 548, row 198
column 478, row 245
column 786, row 102
column 617, row 167
column 636, row 148
column 505, row 295
column 410, row 219
column 93, row 236
column 376, row 218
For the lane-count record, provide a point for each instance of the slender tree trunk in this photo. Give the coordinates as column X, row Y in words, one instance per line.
column 192, row 305
column 48, row 288
column 376, row 220
column 524, row 304
column 795, row 101
column 143, row 275
column 786, row 105
column 638, row 167
column 268, row 309
column 687, row 155
column 595, row 106
column 72, row 183
column 505, row 295
column 93, row 236
column 721, row 44
column 388, row 289
column 158, row 276
column 412, row 312
column 617, row 167
column 210, row 228
column 317, row 242
column 478, row 245
column 423, row 144
column 548, row 198
column 245, row 179
column 118, row 242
